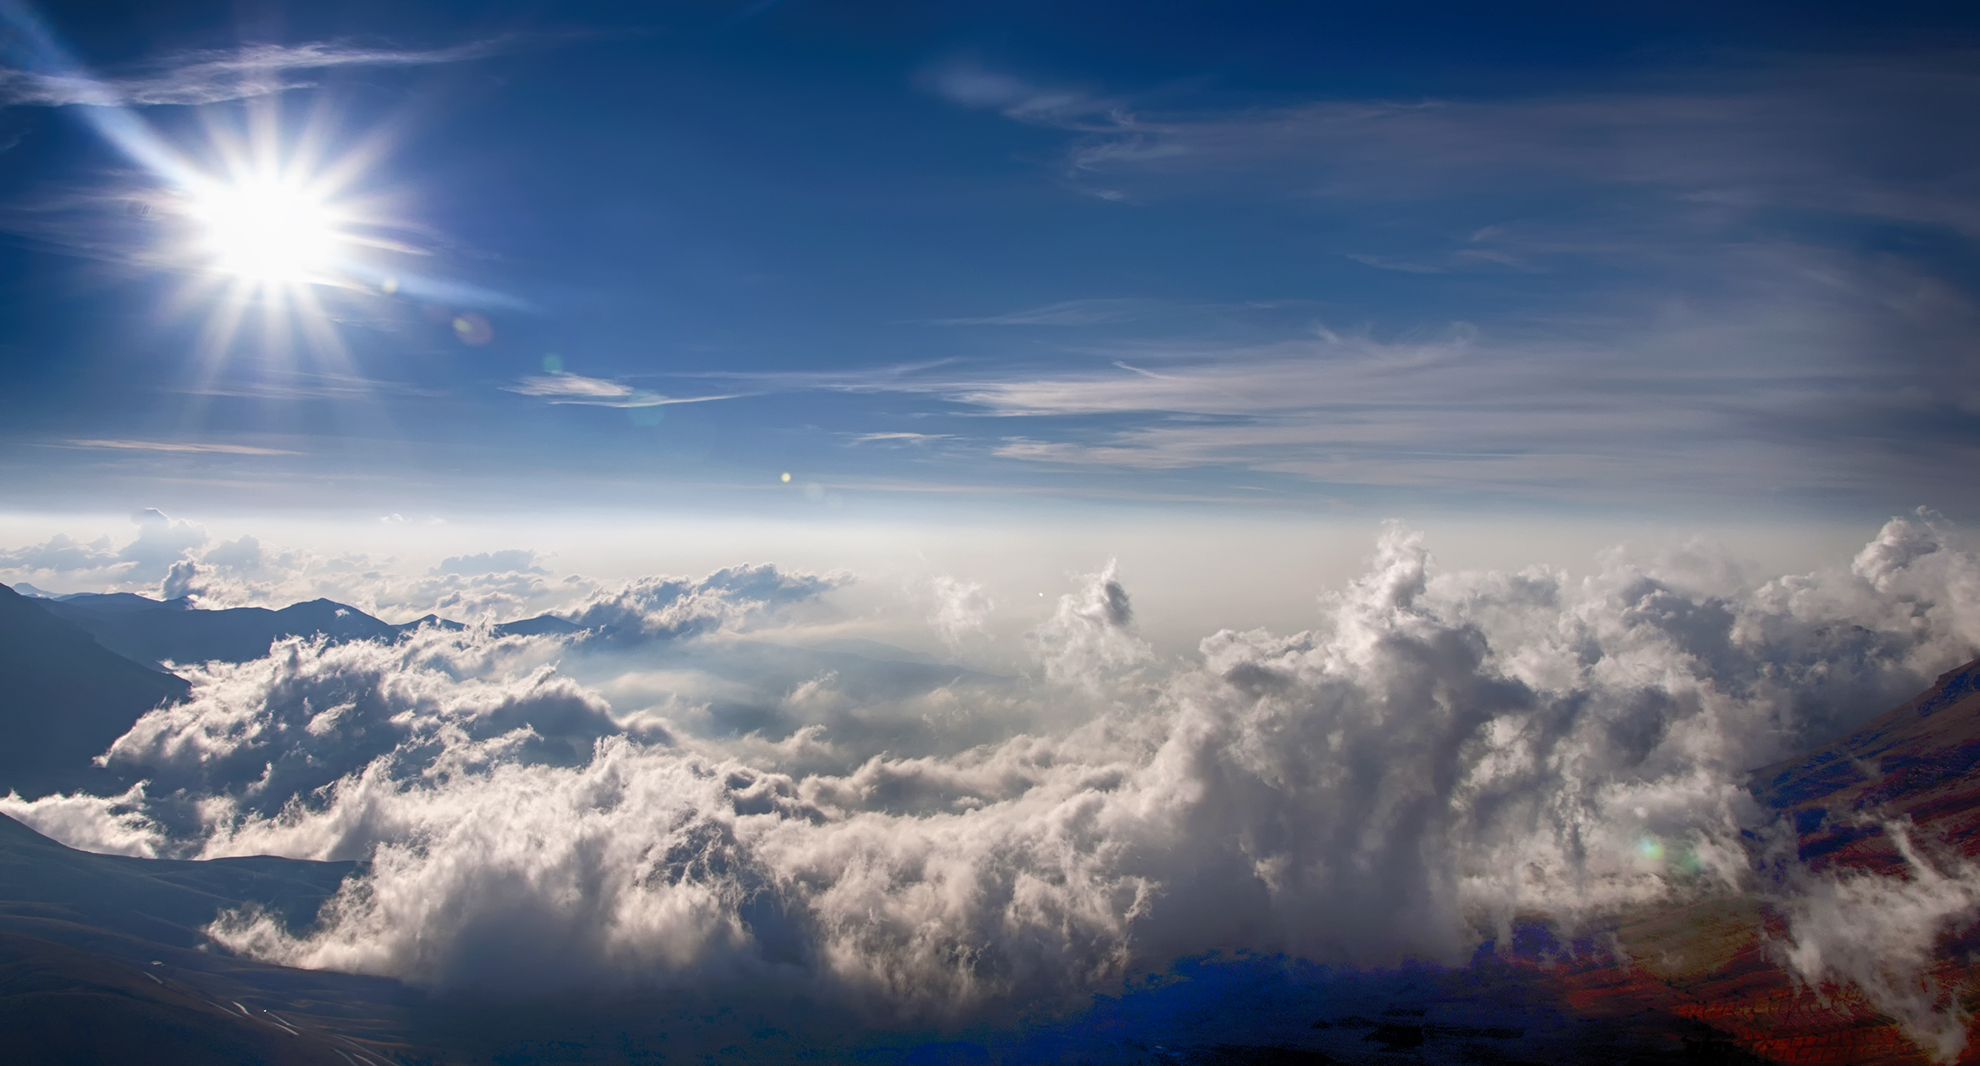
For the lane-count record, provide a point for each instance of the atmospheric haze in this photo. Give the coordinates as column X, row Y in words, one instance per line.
column 725, row 780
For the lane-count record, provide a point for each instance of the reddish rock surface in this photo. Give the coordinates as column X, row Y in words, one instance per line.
column 1718, row 961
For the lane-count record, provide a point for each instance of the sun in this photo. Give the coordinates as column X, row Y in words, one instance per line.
column 268, row 231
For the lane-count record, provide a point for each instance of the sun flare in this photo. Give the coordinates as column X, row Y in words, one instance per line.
column 268, row 231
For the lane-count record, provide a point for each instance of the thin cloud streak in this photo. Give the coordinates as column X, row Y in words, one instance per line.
column 214, row 76
column 599, row 392
column 1794, row 371
column 900, row 438
column 1065, row 313
column 178, row 446
column 310, row 386
column 1856, row 136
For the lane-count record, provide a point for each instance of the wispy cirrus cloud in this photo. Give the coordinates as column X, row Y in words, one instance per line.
column 1794, row 374
column 900, row 438
column 197, row 447
column 215, row 75
column 1063, row 313
column 565, row 388
column 1716, row 281
column 1863, row 136
column 306, row 385
column 973, row 85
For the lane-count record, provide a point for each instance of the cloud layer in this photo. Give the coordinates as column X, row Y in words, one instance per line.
column 668, row 801
column 1440, row 753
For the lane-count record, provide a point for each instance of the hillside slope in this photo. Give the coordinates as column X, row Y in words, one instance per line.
column 63, row 699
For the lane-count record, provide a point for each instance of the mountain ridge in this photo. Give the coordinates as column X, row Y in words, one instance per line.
column 179, row 631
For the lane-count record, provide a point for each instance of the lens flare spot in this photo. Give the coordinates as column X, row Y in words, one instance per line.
column 787, row 477
column 473, row 329
column 553, row 363
column 1651, row 848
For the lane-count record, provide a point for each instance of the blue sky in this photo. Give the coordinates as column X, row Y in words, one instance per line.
column 1270, row 258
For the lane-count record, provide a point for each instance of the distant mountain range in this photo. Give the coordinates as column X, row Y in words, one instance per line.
column 155, row 631
column 77, row 671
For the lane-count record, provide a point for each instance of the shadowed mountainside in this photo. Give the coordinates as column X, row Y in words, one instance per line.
column 102, row 960
column 64, row 698
column 1916, row 762
column 62, row 1005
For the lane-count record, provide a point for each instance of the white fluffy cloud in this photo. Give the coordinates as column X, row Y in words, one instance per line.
column 161, row 542
column 669, row 607
column 960, row 609
column 169, row 558
column 108, row 825
column 1440, row 752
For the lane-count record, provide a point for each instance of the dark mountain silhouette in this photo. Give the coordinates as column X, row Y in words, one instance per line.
column 540, row 626
column 64, row 698
column 155, row 631
column 158, row 631
column 78, row 671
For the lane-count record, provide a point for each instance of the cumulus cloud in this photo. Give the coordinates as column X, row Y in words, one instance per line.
column 516, row 560
column 1440, row 752
column 172, row 558
column 669, row 607
column 143, row 562
column 961, row 607
column 60, row 554
column 270, row 730
column 1089, row 632
column 161, row 542
column 108, row 825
